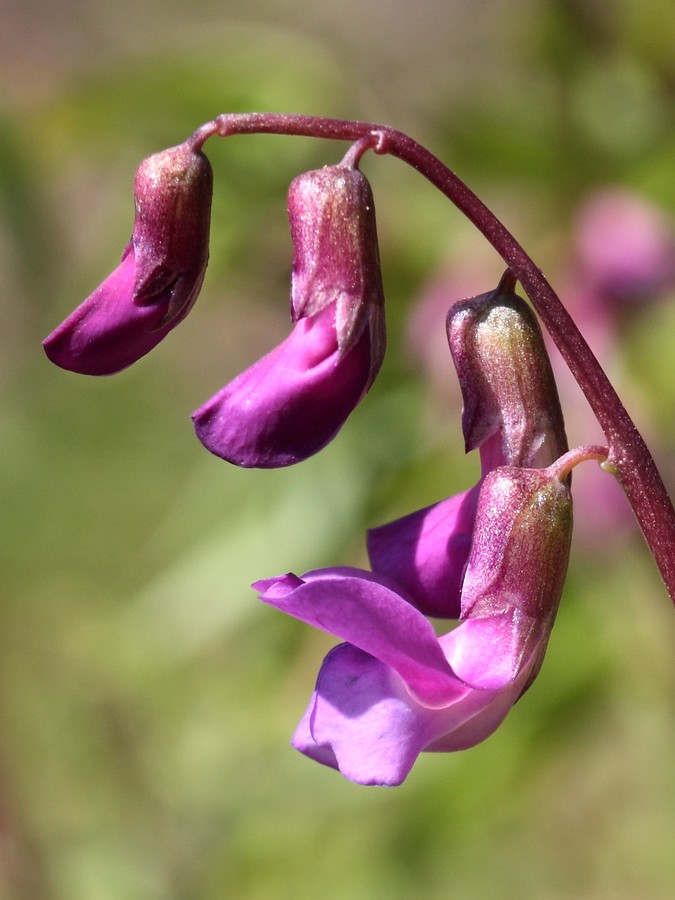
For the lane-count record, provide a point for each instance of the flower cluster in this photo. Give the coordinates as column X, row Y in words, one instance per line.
column 492, row 559
column 293, row 401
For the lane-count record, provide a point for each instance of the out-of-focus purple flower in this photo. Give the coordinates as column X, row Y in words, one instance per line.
column 625, row 247
column 622, row 259
column 395, row 689
column 291, row 403
column 160, row 275
column 511, row 413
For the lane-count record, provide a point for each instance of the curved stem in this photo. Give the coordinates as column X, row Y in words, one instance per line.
column 629, row 458
column 563, row 466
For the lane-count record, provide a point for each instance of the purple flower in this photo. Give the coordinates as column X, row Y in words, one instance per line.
column 291, row 403
column 511, row 413
column 160, row 274
column 395, row 689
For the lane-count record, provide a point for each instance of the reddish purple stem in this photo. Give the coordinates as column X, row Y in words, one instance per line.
column 629, row 458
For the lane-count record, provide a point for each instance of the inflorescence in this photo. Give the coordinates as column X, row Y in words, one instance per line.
column 493, row 559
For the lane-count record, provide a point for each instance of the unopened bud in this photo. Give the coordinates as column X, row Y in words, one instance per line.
column 160, row 274
column 507, row 383
column 293, row 401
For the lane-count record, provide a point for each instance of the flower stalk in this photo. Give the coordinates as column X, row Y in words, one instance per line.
column 629, row 458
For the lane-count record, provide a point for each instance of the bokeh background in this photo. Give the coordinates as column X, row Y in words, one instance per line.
column 146, row 697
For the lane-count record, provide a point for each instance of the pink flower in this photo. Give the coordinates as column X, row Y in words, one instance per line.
column 511, row 414
column 394, row 689
column 160, row 275
column 494, row 556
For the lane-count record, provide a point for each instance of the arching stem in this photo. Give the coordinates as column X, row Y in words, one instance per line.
column 629, row 458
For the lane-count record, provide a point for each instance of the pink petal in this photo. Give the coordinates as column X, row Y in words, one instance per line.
column 359, row 723
column 377, row 620
column 363, row 722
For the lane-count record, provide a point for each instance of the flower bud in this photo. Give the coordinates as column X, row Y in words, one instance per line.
column 292, row 402
column 172, row 193
column 511, row 411
column 511, row 406
column 160, row 275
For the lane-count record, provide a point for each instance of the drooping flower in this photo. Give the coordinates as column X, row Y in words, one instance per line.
column 160, row 274
column 511, row 414
column 293, row 401
column 395, row 689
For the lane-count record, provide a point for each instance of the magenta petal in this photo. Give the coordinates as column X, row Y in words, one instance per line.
column 377, row 620
column 109, row 331
column 290, row 403
column 426, row 552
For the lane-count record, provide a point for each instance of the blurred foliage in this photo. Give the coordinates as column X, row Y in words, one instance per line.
column 146, row 697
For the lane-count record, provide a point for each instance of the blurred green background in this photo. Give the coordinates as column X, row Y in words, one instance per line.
column 146, row 697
